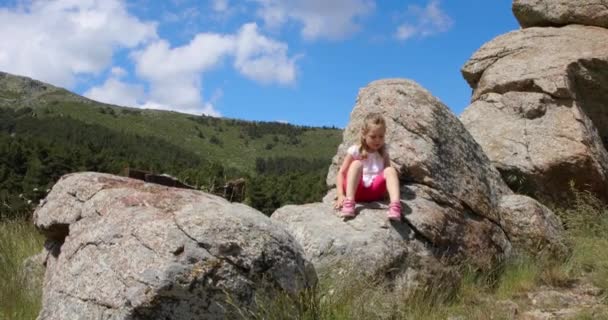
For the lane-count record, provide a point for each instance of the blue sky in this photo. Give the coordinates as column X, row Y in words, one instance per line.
column 298, row 61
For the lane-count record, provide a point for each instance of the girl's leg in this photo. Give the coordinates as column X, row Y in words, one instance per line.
column 392, row 184
column 355, row 170
column 352, row 182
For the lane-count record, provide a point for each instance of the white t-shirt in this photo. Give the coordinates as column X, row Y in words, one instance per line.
column 373, row 165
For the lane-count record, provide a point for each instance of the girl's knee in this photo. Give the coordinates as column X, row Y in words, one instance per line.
column 356, row 165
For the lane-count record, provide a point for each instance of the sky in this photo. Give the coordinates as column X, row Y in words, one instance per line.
column 295, row 61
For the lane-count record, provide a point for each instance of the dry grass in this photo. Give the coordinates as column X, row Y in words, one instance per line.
column 18, row 240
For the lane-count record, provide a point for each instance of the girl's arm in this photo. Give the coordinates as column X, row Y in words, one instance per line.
column 340, row 177
column 387, row 160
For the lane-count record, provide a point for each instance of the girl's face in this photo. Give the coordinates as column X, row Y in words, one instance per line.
column 374, row 138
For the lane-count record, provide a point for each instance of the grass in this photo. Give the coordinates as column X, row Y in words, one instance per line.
column 519, row 276
column 18, row 240
column 477, row 296
column 586, row 223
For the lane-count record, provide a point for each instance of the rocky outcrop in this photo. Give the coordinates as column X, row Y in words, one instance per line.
column 531, row 225
column 368, row 245
column 27, row 92
column 545, row 13
column 538, row 108
column 120, row 248
column 456, row 205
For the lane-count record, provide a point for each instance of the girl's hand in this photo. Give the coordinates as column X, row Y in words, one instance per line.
column 339, row 201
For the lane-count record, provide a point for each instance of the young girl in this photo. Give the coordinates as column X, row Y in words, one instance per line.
column 366, row 174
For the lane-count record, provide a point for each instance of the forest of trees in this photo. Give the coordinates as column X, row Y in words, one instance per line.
column 35, row 152
column 286, row 180
column 257, row 129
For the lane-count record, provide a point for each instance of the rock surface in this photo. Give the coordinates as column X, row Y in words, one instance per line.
column 538, row 108
column 531, row 225
column 32, row 271
column 544, row 13
column 367, row 245
column 132, row 250
column 451, row 195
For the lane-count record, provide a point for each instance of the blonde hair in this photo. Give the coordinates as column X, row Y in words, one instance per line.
column 372, row 119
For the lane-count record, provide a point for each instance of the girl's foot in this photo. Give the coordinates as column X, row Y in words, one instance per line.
column 348, row 208
column 394, row 211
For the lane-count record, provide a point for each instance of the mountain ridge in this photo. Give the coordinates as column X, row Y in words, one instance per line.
column 234, row 142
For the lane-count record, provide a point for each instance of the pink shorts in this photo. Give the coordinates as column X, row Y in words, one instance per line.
column 374, row 192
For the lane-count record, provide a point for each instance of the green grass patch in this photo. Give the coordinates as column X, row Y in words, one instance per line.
column 18, row 240
column 586, row 223
column 590, row 259
column 519, row 276
column 5, row 94
column 355, row 297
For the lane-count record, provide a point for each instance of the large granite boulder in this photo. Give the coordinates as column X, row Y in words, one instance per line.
column 368, row 245
column 539, row 108
column 120, row 248
column 453, row 200
column 544, row 13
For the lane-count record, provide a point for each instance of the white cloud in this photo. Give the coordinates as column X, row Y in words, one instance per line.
column 118, row 72
column 333, row 19
column 263, row 59
column 220, row 5
column 183, row 16
column 428, row 21
column 217, row 94
column 159, row 61
column 57, row 40
column 207, row 109
column 60, row 41
column 175, row 73
column 115, row 91
column 406, row 31
column 210, row 110
column 182, row 93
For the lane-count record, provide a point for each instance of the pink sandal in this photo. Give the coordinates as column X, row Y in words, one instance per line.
column 348, row 208
column 394, row 211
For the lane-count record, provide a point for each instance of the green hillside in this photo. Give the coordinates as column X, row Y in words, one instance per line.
column 234, row 143
column 46, row 132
